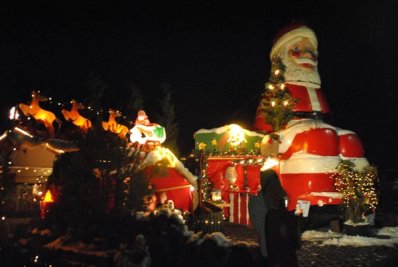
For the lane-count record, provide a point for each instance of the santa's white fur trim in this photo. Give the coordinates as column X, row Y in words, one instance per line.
column 293, row 34
column 302, row 162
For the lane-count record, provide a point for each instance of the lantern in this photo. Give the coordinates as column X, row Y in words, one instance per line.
column 45, row 203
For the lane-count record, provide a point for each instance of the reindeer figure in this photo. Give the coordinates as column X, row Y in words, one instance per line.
column 77, row 119
column 113, row 126
column 44, row 116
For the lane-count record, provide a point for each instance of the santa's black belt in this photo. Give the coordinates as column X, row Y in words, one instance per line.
column 316, row 115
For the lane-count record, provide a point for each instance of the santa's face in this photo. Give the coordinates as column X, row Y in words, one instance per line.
column 303, row 53
column 301, row 59
column 141, row 116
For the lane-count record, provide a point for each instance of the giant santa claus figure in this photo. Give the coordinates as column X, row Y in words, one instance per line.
column 308, row 148
column 306, row 133
column 295, row 47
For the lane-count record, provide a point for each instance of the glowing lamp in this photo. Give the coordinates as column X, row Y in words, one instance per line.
column 21, row 131
column 216, row 195
column 3, row 136
column 13, row 114
column 48, row 197
column 236, row 135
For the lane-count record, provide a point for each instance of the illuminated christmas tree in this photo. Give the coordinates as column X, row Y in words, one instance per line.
column 358, row 189
column 277, row 103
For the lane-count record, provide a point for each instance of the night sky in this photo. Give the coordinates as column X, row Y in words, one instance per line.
column 214, row 57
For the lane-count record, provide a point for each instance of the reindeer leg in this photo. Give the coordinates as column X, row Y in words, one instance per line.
column 59, row 124
column 50, row 129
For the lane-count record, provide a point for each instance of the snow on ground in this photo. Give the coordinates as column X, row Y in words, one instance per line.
column 76, row 247
column 387, row 236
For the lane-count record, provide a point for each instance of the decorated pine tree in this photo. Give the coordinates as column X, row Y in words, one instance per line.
column 95, row 90
column 357, row 188
column 167, row 119
column 94, row 184
column 135, row 102
column 277, row 103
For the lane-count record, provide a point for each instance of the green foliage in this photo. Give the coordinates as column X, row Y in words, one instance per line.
column 95, row 89
column 98, row 181
column 358, row 189
column 167, row 119
column 277, row 103
column 277, row 71
column 135, row 102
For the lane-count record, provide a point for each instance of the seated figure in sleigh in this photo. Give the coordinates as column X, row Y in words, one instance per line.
column 146, row 135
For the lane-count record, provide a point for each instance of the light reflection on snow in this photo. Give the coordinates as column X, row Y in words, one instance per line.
column 387, row 236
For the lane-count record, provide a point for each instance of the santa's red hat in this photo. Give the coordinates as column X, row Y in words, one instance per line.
column 291, row 33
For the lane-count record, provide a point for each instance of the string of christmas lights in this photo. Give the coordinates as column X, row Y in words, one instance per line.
column 358, row 189
column 277, row 103
column 59, row 105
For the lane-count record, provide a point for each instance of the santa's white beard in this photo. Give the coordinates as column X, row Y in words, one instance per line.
column 296, row 74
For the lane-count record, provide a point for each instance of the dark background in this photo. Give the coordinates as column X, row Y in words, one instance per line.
column 214, row 57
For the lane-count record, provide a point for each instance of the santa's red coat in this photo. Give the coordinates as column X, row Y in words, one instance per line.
column 309, row 100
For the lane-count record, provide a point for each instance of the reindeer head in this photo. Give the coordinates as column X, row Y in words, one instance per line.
column 114, row 112
column 36, row 96
column 77, row 104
